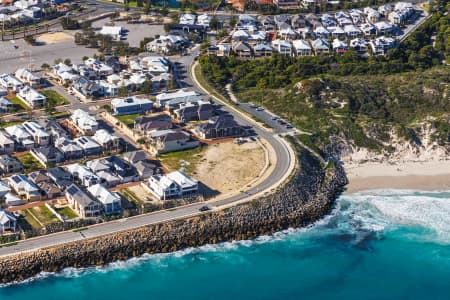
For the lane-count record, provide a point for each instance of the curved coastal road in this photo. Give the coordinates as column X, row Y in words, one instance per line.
column 284, row 165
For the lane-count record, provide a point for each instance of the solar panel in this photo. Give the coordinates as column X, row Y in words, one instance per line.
column 72, row 190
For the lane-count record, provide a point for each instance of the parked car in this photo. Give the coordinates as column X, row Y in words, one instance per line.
column 260, row 108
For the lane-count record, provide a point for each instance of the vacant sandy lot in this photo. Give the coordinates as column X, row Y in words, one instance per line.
column 56, row 37
column 227, row 167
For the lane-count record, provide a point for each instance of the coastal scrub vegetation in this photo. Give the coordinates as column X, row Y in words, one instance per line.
column 366, row 101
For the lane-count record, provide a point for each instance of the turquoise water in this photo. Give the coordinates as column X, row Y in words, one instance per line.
column 379, row 245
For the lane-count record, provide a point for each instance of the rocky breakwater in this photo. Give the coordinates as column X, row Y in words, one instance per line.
column 307, row 196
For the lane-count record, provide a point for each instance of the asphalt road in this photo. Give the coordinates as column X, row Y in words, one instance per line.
column 282, row 167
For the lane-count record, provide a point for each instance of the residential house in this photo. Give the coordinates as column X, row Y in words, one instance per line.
column 384, row 9
column 262, row 50
column 359, row 45
column 9, row 164
column 23, row 187
column 64, row 73
column 20, row 136
column 160, row 81
column 48, row 155
column 107, row 140
column 111, row 201
column 204, row 20
column 286, row 32
column 53, row 128
column 220, row 127
column 69, row 148
column 131, row 105
column 372, row 14
column 85, row 123
column 10, row 82
column 60, row 176
column 85, row 205
column 134, row 157
column 194, row 111
column 171, row 140
column 5, row 105
column 27, row 77
column 352, row 31
column 145, row 169
column 38, row 134
column 368, row 29
column 381, row 45
column 101, row 68
column 7, row 221
column 89, row 146
column 31, row 97
column 107, row 178
column 286, row 3
column 144, row 125
column 7, row 145
column 302, row 48
column 83, row 173
column 43, row 181
column 336, row 32
column 383, row 28
column 322, row 32
column 242, row 49
column 298, row 21
column 283, row 47
column 187, row 19
column 180, row 96
column 86, row 88
column 122, row 169
column 172, row 185
column 320, row 46
column 98, row 165
column 339, row 46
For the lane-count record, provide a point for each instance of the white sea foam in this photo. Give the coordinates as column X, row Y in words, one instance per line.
column 377, row 210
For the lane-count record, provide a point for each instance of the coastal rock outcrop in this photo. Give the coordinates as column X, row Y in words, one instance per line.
column 307, row 196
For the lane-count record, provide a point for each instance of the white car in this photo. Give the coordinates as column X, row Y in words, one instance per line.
column 259, row 108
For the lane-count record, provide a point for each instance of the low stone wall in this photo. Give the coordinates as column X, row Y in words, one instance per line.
column 307, row 197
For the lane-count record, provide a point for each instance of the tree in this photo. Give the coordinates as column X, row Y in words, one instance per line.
column 30, row 39
column 147, row 7
column 146, row 87
column 123, row 91
column 214, row 24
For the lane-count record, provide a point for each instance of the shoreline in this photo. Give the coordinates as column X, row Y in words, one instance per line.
column 430, row 175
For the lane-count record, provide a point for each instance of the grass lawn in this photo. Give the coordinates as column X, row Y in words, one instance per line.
column 29, row 162
column 66, row 212
column 131, row 196
column 185, row 158
column 44, row 215
column 128, row 119
column 54, row 98
column 4, row 124
column 18, row 104
column 30, row 219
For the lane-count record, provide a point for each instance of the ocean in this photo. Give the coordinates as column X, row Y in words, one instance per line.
column 391, row 244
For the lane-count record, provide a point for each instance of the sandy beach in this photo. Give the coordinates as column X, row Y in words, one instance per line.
column 405, row 175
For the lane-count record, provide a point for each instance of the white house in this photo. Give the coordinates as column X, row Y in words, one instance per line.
column 282, row 47
column 24, row 187
column 37, row 132
column 7, row 221
column 86, row 123
column 111, row 201
column 172, row 185
column 83, row 173
column 10, row 82
column 107, row 140
column 31, row 97
column 188, row 19
column 20, row 136
column 204, row 20
column 302, row 47
column 178, row 96
column 27, row 77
